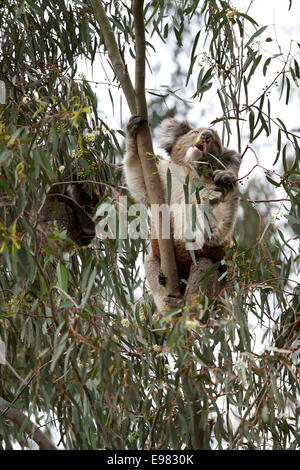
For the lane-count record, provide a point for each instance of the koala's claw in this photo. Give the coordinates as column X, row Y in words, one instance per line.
column 223, row 177
column 162, row 280
column 134, row 124
column 174, row 301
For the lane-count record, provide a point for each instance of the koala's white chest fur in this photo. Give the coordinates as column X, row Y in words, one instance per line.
column 202, row 209
column 189, row 208
column 179, row 173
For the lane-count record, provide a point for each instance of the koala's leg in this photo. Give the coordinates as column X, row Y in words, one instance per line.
column 156, row 282
column 196, row 290
column 153, row 272
column 132, row 164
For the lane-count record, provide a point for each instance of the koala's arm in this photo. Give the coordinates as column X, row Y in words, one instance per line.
column 227, row 168
column 132, row 164
column 225, row 213
column 223, row 220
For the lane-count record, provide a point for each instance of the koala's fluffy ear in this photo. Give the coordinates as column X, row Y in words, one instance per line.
column 171, row 130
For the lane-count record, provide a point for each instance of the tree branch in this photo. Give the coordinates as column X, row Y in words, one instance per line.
column 118, row 65
column 137, row 104
column 152, row 180
column 140, row 57
column 19, row 418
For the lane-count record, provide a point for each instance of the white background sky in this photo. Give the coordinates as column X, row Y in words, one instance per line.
column 265, row 12
column 283, row 24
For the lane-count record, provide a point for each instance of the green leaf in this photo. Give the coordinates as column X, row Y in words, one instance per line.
column 254, row 67
column 169, row 185
column 243, row 15
column 266, row 65
column 257, row 33
column 89, row 286
column 173, row 336
column 62, row 277
column 288, row 89
column 59, row 349
column 273, row 182
column 278, row 146
column 292, row 219
column 297, row 70
column 251, row 124
column 5, row 403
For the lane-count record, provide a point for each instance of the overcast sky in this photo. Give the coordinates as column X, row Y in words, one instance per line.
column 283, row 24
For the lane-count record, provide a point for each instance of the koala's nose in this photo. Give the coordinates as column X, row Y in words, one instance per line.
column 206, row 135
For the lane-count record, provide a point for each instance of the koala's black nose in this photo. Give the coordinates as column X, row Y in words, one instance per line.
column 207, row 135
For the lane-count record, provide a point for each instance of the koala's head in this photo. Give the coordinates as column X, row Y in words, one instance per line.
column 186, row 144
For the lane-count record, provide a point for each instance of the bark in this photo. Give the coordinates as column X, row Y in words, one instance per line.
column 137, row 104
column 152, row 181
column 136, row 100
column 118, row 65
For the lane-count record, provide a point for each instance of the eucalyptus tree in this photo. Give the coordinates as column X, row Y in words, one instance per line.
column 87, row 362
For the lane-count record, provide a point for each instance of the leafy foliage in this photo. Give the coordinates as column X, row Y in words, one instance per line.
column 85, row 349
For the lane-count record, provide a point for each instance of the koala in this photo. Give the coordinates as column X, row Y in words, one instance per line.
column 68, row 207
column 202, row 174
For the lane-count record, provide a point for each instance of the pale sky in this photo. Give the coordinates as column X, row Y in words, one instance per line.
column 282, row 23
column 265, row 12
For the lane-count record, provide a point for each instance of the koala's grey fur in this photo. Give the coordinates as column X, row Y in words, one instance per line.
column 189, row 149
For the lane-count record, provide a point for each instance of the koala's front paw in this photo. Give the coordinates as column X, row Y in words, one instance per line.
column 223, row 177
column 174, row 301
column 162, row 280
column 134, row 124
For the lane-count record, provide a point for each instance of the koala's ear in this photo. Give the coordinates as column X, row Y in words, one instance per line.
column 171, row 130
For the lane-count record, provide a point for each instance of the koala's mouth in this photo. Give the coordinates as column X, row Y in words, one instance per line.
column 201, row 146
